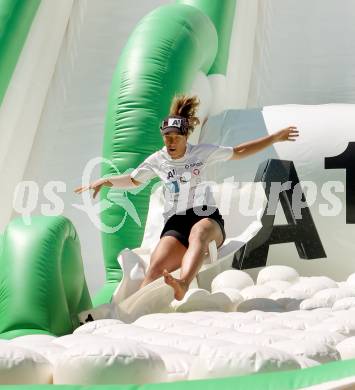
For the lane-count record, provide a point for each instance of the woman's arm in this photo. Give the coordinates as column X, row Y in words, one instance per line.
column 251, row 147
column 120, row 181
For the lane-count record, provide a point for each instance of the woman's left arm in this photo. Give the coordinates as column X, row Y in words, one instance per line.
column 251, row 147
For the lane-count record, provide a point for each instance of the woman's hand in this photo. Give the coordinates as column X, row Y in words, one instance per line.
column 96, row 186
column 288, row 134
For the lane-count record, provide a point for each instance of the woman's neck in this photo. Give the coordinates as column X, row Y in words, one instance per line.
column 181, row 155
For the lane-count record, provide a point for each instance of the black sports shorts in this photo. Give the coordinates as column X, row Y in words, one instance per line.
column 180, row 225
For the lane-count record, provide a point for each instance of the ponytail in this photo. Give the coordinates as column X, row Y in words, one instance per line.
column 186, row 106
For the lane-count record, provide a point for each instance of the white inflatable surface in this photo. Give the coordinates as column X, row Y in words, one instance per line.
column 234, row 335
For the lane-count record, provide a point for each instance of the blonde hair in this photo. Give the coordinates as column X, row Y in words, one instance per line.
column 186, row 106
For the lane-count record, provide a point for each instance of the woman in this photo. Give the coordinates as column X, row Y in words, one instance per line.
column 192, row 219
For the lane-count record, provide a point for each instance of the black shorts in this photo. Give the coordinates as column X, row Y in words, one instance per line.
column 180, row 225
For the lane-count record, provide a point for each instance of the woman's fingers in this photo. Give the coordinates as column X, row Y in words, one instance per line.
column 291, row 133
column 81, row 189
column 94, row 186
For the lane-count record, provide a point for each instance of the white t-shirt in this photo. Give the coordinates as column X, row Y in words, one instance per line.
column 183, row 178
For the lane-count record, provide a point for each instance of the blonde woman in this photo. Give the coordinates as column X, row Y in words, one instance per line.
column 191, row 217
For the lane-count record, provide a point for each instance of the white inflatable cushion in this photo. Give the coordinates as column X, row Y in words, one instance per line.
column 229, row 323
column 308, row 348
column 279, row 273
column 171, row 339
column 189, row 344
column 326, row 298
column 344, row 304
column 290, row 322
column 109, row 362
column 195, row 330
column 90, row 327
column 344, row 326
column 289, row 293
column 72, row 340
column 316, row 314
column 233, row 294
column 253, row 315
column 290, row 304
column 250, row 338
column 231, row 279
column 259, row 327
column 346, row 348
column 20, row 366
column 199, row 299
column 256, row 292
column 287, row 333
column 240, row 360
column 312, row 284
column 177, row 362
column 161, row 321
column 325, row 337
column 278, row 285
column 306, row 363
column 262, row 304
column 127, row 331
column 34, row 339
column 351, row 279
column 41, row 344
column 344, row 284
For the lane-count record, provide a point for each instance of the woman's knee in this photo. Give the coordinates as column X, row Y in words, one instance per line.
column 205, row 232
column 199, row 234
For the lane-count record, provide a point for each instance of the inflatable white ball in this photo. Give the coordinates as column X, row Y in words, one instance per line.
column 279, row 273
column 235, row 297
column 231, row 279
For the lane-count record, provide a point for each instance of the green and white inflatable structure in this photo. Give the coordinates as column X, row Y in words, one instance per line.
column 276, row 301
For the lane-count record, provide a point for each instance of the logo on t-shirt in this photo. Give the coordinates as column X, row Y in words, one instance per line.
column 194, row 164
column 171, row 174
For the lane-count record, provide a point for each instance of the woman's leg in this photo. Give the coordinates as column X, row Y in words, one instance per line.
column 167, row 255
column 202, row 233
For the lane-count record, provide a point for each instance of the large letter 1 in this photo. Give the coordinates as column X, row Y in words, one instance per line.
column 346, row 160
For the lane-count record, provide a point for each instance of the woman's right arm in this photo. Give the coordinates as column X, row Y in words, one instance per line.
column 120, row 181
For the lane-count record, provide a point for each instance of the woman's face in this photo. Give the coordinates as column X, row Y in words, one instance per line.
column 175, row 144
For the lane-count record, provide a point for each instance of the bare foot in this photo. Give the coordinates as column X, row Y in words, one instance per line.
column 179, row 286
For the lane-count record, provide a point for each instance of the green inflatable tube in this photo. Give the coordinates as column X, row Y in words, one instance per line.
column 222, row 15
column 16, row 17
column 164, row 53
column 160, row 59
column 42, row 281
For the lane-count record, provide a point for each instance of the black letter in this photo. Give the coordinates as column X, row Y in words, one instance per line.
column 346, row 160
column 300, row 231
